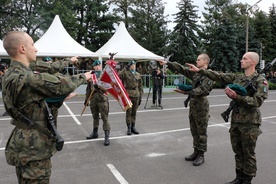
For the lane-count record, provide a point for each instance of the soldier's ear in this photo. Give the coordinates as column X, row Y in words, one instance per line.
column 21, row 49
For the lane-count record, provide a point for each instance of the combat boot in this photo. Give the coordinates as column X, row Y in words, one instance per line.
column 128, row 129
column 247, row 179
column 94, row 134
column 106, row 138
column 193, row 156
column 133, row 129
column 199, row 159
column 238, row 179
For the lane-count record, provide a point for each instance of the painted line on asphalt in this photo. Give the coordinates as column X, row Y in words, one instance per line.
column 117, row 174
column 72, row 114
column 147, row 134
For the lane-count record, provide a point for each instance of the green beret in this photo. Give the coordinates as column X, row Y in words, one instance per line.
column 131, row 63
column 185, row 87
column 96, row 62
column 55, row 99
column 46, row 59
column 238, row 89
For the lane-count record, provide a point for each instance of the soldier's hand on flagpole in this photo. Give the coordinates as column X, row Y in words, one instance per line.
column 86, row 104
column 96, row 86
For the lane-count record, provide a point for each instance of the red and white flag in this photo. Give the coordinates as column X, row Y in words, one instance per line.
column 112, row 83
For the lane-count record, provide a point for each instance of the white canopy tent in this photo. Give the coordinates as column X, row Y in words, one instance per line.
column 3, row 53
column 125, row 47
column 56, row 42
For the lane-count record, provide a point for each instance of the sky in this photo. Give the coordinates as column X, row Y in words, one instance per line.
column 170, row 7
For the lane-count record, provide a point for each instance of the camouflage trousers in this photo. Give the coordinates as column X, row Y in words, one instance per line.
column 131, row 112
column 34, row 172
column 199, row 117
column 100, row 108
column 243, row 141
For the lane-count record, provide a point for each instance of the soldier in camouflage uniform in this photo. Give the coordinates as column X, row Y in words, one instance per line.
column 55, row 68
column 199, row 106
column 134, row 86
column 98, row 105
column 30, row 147
column 246, row 116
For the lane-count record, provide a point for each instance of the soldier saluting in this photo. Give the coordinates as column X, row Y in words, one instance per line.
column 246, row 117
column 30, row 147
column 199, row 106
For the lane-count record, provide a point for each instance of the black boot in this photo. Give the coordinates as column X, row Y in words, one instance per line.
column 133, row 129
column 193, row 156
column 128, row 129
column 247, row 179
column 238, row 179
column 199, row 159
column 106, row 138
column 94, row 134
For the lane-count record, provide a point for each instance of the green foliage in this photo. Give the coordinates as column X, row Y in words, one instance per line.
column 184, row 41
column 221, row 33
column 272, row 86
column 148, row 26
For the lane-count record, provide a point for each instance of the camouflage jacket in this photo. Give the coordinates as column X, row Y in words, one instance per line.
column 202, row 86
column 99, row 94
column 54, row 67
column 247, row 111
column 24, row 90
column 133, row 82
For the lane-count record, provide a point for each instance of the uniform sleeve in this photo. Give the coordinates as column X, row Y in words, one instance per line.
column 223, row 78
column 88, row 90
column 204, row 88
column 51, row 68
column 259, row 96
column 53, row 85
column 174, row 66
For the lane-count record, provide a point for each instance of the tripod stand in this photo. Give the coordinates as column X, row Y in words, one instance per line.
column 156, row 90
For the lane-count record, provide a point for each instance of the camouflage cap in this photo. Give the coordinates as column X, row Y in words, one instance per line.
column 96, row 63
column 238, row 89
column 185, row 87
column 131, row 62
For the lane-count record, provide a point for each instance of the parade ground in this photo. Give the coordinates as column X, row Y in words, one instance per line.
column 156, row 155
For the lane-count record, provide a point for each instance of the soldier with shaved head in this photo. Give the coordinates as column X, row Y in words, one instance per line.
column 31, row 145
column 246, row 116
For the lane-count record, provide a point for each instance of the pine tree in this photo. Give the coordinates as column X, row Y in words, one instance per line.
column 184, row 40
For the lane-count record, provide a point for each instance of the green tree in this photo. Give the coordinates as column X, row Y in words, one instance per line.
column 221, row 34
column 122, row 9
column 148, row 25
column 94, row 23
column 270, row 48
column 184, row 40
column 263, row 34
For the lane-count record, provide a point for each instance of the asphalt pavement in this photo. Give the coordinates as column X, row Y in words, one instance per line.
column 156, row 155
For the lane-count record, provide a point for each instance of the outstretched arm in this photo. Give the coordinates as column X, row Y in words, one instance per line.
column 192, row 67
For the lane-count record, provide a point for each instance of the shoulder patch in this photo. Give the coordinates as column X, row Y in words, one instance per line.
column 36, row 72
column 265, row 82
